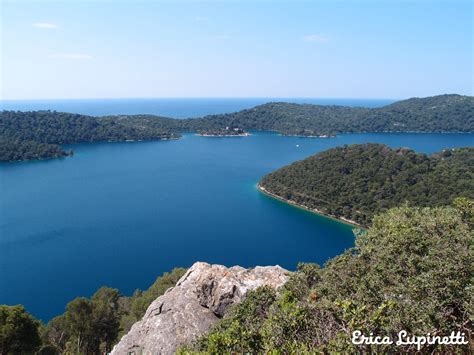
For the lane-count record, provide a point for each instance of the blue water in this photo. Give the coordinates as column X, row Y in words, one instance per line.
column 177, row 108
column 120, row 214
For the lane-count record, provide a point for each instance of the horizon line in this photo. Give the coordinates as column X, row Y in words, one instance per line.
column 223, row 98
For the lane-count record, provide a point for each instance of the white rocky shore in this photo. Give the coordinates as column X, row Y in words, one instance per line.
column 199, row 299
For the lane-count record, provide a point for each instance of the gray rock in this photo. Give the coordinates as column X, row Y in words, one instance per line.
column 189, row 309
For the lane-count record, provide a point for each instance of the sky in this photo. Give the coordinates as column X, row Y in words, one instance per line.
column 320, row 49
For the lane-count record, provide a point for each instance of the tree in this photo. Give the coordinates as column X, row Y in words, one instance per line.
column 106, row 316
column 411, row 270
column 18, row 330
column 79, row 313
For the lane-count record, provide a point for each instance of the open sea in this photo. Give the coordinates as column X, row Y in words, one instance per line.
column 121, row 214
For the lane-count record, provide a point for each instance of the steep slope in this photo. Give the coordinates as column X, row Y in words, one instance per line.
column 199, row 299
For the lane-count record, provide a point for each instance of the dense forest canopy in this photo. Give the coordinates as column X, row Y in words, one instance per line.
column 18, row 130
column 39, row 134
column 358, row 181
column 444, row 113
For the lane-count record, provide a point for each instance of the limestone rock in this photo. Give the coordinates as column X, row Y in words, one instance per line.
column 189, row 309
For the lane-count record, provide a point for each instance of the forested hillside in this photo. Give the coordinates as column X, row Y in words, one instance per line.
column 444, row 113
column 356, row 182
column 39, row 134
column 12, row 149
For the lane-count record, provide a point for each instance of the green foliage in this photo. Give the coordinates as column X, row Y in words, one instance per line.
column 141, row 300
column 16, row 149
column 88, row 325
column 92, row 326
column 411, row 270
column 466, row 206
column 240, row 330
column 106, row 316
column 358, row 181
column 19, row 331
column 443, row 113
column 39, row 134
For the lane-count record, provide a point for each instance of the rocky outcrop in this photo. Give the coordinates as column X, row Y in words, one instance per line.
column 188, row 310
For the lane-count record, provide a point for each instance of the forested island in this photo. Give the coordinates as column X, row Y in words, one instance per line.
column 307, row 133
column 40, row 134
column 356, row 182
column 411, row 270
column 225, row 132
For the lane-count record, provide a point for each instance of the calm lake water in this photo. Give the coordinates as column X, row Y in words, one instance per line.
column 120, row 214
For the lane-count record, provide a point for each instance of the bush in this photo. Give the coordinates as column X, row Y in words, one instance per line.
column 412, row 270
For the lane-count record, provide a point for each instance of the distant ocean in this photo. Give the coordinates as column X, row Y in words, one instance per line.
column 177, row 108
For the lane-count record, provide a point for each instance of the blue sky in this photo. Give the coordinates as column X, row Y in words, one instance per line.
column 339, row 49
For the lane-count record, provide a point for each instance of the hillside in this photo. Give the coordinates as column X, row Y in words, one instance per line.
column 412, row 270
column 358, row 181
column 20, row 132
column 39, row 134
column 443, row 113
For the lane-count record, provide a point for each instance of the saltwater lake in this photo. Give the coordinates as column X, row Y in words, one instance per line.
column 120, row 214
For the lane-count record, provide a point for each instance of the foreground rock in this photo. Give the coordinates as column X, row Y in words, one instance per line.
column 189, row 309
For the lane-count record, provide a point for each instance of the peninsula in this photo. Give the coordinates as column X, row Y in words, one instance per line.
column 354, row 183
column 40, row 134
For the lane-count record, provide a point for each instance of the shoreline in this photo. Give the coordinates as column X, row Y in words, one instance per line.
column 315, row 211
column 223, row 135
column 310, row 136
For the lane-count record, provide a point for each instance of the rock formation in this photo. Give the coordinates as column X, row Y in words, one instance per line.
column 188, row 310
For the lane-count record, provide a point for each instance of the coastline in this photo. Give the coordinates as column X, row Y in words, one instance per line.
column 223, row 135
column 315, row 211
column 310, row 136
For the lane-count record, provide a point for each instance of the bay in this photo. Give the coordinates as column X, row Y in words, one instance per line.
column 120, row 214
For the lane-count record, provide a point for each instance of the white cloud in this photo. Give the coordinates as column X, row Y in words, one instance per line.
column 45, row 25
column 200, row 19
column 316, row 38
column 70, row 56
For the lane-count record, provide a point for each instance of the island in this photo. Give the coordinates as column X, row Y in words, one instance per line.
column 356, row 182
column 308, row 133
column 225, row 132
